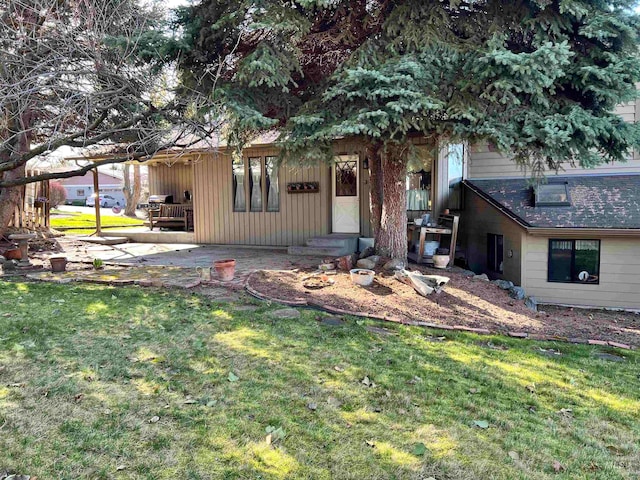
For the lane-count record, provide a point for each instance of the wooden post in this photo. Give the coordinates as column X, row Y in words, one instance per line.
column 96, row 191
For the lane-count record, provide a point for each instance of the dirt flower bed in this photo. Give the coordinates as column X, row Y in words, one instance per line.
column 464, row 301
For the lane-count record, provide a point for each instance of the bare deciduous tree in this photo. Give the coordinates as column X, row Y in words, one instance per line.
column 84, row 73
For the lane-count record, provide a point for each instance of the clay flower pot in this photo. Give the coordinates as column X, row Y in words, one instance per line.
column 225, row 269
column 58, row 264
column 12, row 254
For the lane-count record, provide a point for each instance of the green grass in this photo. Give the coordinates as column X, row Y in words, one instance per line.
column 99, row 382
column 81, row 223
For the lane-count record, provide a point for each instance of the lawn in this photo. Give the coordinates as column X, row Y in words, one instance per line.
column 85, row 223
column 100, row 382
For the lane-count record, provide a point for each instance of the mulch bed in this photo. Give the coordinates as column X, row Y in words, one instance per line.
column 463, row 302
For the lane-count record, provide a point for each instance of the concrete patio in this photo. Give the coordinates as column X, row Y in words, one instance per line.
column 176, row 257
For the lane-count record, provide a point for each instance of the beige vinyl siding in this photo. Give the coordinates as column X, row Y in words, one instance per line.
column 170, row 180
column 483, row 163
column 619, row 285
column 479, row 219
column 301, row 215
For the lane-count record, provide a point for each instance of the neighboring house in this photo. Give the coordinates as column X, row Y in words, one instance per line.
column 79, row 188
column 574, row 241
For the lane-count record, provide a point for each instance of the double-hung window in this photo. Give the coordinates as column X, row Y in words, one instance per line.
column 256, row 185
column 574, row 261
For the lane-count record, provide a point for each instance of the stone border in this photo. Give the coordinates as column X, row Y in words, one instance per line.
column 459, row 328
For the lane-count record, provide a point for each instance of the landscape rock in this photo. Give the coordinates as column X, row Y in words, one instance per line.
column 517, row 293
column 503, row 284
column 285, row 313
column 531, row 304
column 367, row 252
column 366, row 263
column 482, row 277
column 373, row 258
column 395, row 264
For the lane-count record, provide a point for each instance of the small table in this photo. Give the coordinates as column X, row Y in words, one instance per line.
column 447, row 225
column 23, row 244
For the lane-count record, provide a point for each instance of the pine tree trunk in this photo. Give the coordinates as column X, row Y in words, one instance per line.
column 391, row 238
column 373, row 152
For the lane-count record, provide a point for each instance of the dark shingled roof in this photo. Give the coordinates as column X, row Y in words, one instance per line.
column 611, row 201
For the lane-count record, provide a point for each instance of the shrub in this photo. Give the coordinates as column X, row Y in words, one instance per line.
column 57, row 194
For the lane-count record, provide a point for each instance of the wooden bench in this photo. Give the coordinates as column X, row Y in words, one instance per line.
column 447, row 225
column 169, row 216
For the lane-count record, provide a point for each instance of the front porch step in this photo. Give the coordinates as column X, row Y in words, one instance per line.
column 318, row 251
column 334, row 245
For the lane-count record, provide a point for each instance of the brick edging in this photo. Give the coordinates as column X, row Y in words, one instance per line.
column 459, row 328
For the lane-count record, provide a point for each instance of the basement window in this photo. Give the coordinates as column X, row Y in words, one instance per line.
column 552, row 195
column 574, row 261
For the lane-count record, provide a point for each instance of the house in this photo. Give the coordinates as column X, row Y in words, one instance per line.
column 572, row 241
column 245, row 200
column 575, row 241
column 79, row 188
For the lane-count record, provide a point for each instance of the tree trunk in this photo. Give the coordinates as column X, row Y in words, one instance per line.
column 132, row 194
column 373, row 152
column 10, row 197
column 391, row 238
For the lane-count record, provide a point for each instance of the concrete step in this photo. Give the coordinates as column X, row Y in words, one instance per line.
column 330, row 252
column 337, row 241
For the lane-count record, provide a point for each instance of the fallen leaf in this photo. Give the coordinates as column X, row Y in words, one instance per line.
column 531, row 388
column 366, row 381
column 120, row 467
column 557, row 466
column 481, row 424
column 338, row 369
column 414, row 380
column 370, row 443
column 312, row 406
column 615, row 450
column 154, row 419
column 514, row 456
column 274, row 434
column 78, row 397
column 233, row 377
column 419, row 449
column 189, row 401
column 566, row 412
column 473, row 390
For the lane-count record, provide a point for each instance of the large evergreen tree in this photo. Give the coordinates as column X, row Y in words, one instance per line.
column 537, row 78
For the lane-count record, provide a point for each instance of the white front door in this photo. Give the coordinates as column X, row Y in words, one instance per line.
column 346, row 194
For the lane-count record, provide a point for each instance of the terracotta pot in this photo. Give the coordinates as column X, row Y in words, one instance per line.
column 12, row 254
column 225, row 269
column 58, row 264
